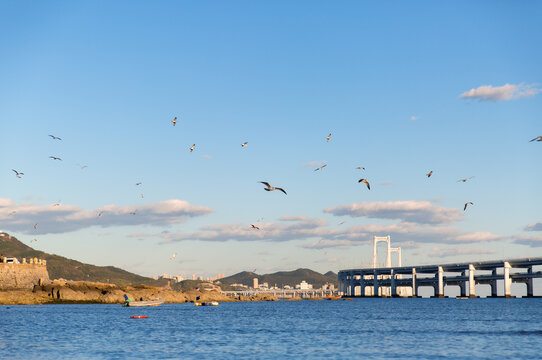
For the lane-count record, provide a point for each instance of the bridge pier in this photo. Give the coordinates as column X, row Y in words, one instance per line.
column 507, row 280
column 530, row 289
column 439, row 283
column 472, row 284
column 493, row 283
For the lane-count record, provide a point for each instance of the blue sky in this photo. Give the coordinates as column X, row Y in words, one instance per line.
column 404, row 88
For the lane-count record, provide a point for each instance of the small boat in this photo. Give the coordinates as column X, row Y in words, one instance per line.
column 155, row 302
column 197, row 304
column 211, row 303
column 331, row 297
column 138, row 316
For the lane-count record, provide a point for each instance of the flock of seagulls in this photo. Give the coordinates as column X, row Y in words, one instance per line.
column 268, row 186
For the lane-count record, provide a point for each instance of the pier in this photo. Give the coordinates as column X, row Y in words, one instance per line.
column 405, row 281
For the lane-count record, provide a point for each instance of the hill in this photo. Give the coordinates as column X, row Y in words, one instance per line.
column 63, row 268
column 282, row 278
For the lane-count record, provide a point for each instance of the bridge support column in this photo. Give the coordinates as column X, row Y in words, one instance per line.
column 463, row 286
column 393, row 287
column 472, row 284
column 352, row 290
column 530, row 288
column 507, row 280
column 439, row 284
column 375, row 284
column 414, row 287
column 493, row 284
column 362, row 285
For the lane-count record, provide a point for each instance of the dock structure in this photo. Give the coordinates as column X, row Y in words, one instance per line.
column 404, row 281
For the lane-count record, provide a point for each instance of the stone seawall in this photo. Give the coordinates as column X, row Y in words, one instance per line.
column 22, row 276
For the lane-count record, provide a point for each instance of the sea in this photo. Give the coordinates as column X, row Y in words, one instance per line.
column 357, row 329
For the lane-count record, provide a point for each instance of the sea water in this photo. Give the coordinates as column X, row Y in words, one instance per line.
column 359, row 329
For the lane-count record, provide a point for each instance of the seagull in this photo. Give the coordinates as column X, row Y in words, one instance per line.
column 429, row 173
column 82, row 166
column 360, row 168
column 366, row 183
column 342, row 222
column 328, row 137
column 254, row 227
column 55, row 137
column 271, row 188
column 57, row 204
column 17, row 173
column 321, row 167
column 465, row 180
column 35, row 225
column 137, row 184
column 467, row 204
column 33, row 240
column 100, row 214
column 538, row 138
column 192, row 147
column 55, row 158
column 174, row 254
column 11, row 213
column 174, row 121
column 244, row 144
column 142, row 196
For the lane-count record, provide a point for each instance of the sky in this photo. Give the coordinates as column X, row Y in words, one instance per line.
column 403, row 88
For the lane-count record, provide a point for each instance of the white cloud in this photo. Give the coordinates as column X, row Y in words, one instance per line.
column 448, row 252
column 422, row 212
column 500, row 93
column 313, row 163
column 66, row 218
column 532, row 241
column 206, row 156
column 534, row 227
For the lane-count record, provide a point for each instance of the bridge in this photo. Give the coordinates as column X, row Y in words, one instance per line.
column 284, row 293
column 404, row 281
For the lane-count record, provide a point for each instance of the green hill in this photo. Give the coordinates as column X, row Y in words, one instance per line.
column 282, row 278
column 61, row 267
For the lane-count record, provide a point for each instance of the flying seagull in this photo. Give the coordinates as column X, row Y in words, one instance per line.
column 55, row 158
column 100, row 214
column 142, row 196
column 365, row 182
column 17, row 173
column 174, row 254
column 328, row 137
column 137, row 184
column 12, row 212
column 192, row 147
column 360, row 168
column 321, row 167
column 82, row 166
column 467, row 204
column 342, row 222
column 55, row 137
column 57, row 204
column 244, row 144
column 538, row 138
column 254, row 227
column 174, row 121
column 465, row 180
column 35, row 225
column 429, row 173
column 271, row 188
column 33, row 240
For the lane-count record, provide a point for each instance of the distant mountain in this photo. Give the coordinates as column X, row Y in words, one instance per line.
column 61, row 267
column 282, row 278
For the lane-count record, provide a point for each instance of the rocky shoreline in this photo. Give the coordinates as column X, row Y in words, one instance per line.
column 70, row 292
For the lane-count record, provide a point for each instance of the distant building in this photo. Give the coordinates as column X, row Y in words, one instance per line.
column 255, row 283
column 303, row 286
column 193, row 276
